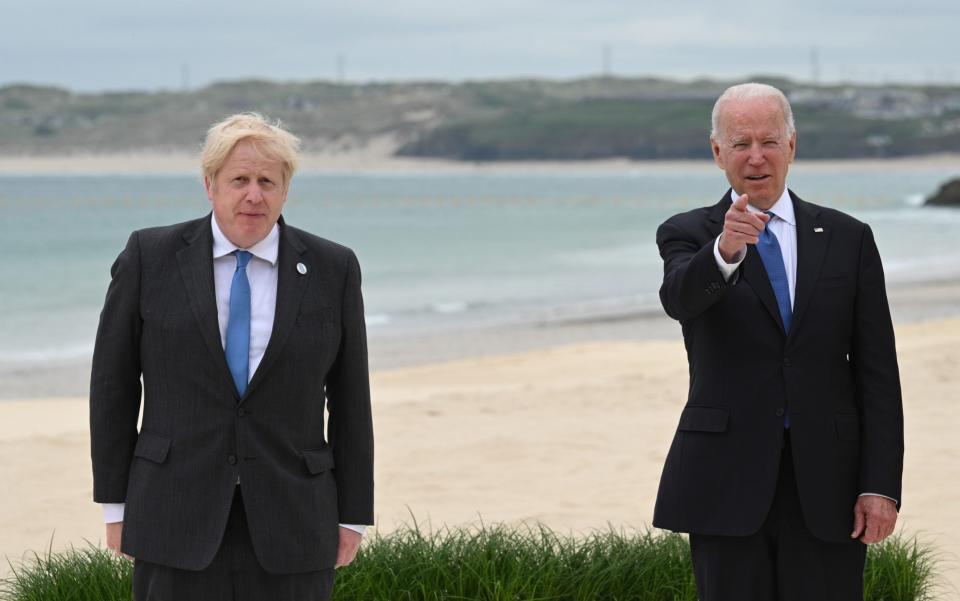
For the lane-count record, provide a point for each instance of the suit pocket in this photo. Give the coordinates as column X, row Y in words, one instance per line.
column 318, row 460
column 704, row 419
column 152, row 447
column 848, row 426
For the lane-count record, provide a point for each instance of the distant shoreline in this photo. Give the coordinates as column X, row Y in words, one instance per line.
column 375, row 160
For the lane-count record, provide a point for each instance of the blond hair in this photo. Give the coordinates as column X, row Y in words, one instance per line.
column 269, row 139
column 744, row 91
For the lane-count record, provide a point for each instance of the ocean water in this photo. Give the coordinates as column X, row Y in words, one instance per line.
column 438, row 249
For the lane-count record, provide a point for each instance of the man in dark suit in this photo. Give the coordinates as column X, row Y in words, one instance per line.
column 244, row 330
column 788, row 456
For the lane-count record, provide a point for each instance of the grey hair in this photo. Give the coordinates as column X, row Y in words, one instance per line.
column 752, row 90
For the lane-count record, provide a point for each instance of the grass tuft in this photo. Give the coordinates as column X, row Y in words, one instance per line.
column 89, row 574
column 900, row 569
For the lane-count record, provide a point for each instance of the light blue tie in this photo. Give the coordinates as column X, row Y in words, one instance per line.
column 769, row 249
column 238, row 324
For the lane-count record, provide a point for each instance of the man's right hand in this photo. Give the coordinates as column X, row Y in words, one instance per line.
column 114, row 534
column 740, row 227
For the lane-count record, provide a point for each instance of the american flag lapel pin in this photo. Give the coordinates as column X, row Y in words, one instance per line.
column 818, row 230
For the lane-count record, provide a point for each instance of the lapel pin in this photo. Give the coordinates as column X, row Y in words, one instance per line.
column 816, row 230
column 301, row 269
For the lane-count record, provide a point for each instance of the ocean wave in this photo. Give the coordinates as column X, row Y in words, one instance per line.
column 54, row 353
column 377, row 319
column 449, row 308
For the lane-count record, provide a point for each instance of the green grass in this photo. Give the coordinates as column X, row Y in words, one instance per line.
column 487, row 563
column 90, row 574
column 499, row 563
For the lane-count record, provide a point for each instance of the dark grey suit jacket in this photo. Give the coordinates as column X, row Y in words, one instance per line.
column 835, row 371
column 178, row 473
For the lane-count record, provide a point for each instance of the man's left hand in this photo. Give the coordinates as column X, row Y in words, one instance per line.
column 874, row 519
column 347, row 549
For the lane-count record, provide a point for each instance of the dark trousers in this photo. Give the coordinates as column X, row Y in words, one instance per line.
column 234, row 575
column 782, row 561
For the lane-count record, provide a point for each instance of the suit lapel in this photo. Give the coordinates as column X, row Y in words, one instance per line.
column 291, row 285
column 811, row 250
column 196, row 269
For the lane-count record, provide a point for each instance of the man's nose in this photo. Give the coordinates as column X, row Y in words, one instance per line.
column 254, row 193
column 756, row 153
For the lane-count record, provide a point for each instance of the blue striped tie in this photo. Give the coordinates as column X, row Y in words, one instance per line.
column 238, row 324
column 772, row 256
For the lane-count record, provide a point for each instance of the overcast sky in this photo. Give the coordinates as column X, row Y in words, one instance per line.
column 126, row 44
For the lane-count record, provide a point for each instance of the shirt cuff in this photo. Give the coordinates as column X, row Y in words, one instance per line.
column 355, row 527
column 113, row 512
column 874, row 494
column 727, row 269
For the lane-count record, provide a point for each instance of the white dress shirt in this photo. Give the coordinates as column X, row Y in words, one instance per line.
column 783, row 224
column 262, row 275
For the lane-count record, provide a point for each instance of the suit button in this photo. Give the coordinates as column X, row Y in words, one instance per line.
column 232, row 459
column 786, row 361
column 241, row 412
column 780, row 412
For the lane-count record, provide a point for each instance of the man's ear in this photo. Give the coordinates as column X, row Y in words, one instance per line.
column 793, row 146
column 208, row 186
column 716, row 152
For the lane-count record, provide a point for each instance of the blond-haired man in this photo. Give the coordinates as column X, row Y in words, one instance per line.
column 788, row 456
column 242, row 330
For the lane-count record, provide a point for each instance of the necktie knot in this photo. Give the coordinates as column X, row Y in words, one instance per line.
column 243, row 258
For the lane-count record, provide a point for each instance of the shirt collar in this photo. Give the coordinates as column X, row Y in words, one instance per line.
column 783, row 208
column 267, row 249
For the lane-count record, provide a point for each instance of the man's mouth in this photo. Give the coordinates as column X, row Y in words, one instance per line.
column 757, row 178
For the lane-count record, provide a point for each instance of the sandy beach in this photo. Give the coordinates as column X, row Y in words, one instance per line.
column 572, row 435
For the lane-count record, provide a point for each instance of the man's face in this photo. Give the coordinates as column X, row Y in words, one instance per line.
column 247, row 195
column 752, row 147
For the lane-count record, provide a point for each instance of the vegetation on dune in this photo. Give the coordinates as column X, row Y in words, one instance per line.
column 590, row 118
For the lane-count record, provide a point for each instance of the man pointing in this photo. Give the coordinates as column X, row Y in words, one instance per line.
column 788, row 456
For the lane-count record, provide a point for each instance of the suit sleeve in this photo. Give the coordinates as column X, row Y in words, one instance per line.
column 692, row 280
column 350, row 423
column 115, row 379
column 874, row 359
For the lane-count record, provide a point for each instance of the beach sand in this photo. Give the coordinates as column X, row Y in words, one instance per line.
column 573, row 436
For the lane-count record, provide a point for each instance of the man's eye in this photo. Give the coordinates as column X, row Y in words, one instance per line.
column 266, row 182
column 771, row 143
column 740, row 145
